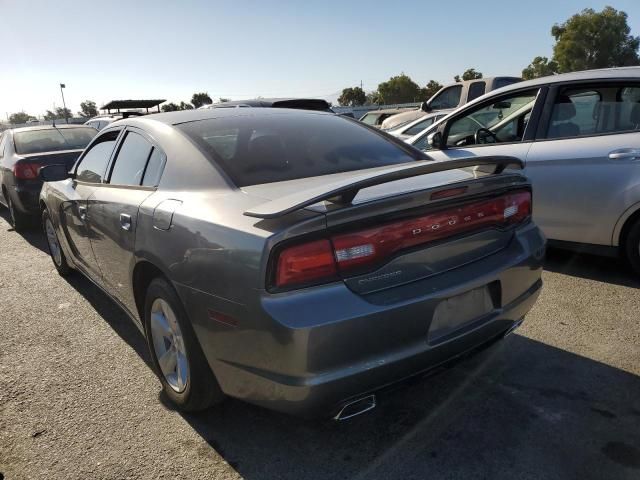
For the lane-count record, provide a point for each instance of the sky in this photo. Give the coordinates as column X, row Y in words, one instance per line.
column 118, row 49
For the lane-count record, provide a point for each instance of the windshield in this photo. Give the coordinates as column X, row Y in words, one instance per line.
column 278, row 147
column 370, row 118
column 52, row 139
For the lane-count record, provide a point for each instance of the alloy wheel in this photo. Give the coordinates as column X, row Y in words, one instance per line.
column 168, row 345
column 52, row 240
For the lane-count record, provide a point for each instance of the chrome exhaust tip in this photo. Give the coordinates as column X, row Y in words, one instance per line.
column 513, row 327
column 356, row 407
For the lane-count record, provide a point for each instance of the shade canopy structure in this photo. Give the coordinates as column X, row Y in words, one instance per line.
column 121, row 104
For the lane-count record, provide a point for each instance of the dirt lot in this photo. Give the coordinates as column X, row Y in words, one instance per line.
column 560, row 399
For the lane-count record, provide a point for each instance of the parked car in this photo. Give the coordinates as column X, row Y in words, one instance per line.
column 101, row 121
column 376, row 117
column 317, row 104
column 450, row 97
column 22, row 152
column 253, row 249
column 411, row 129
column 578, row 134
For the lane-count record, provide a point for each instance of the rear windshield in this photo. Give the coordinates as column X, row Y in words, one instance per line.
column 53, row 139
column 275, row 147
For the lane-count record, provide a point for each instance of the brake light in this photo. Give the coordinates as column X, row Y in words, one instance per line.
column 306, row 263
column 26, row 170
column 321, row 260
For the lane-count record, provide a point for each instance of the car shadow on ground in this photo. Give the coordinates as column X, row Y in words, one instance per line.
column 522, row 409
column 33, row 234
column 603, row 269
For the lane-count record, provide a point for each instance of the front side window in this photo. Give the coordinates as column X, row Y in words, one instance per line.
column 93, row 165
column 501, row 121
column 52, row 139
column 448, row 98
column 275, row 147
column 131, row 160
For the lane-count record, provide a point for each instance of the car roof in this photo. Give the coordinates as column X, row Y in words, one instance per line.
column 599, row 74
column 184, row 116
column 48, row 127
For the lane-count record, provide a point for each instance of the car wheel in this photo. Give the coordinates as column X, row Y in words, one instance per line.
column 632, row 247
column 18, row 220
column 177, row 357
column 55, row 249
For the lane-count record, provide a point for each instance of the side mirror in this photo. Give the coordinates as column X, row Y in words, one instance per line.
column 435, row 140
column 54, row 173
column 425, row 107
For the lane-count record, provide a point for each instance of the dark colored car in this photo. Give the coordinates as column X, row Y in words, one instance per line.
column 316, row 104
column 23, row 151
column 296, row 260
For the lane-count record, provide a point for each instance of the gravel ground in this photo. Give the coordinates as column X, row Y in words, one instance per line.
column 560, row 399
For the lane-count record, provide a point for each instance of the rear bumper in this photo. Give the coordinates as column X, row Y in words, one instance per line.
column 26, row 198
column 308, row 352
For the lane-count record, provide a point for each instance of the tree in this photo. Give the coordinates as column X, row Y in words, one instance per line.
column 49, row 115
column 20, row 117
column 200, row 99
column 352, row 97
column 372, row 98
column 398, row 89
column 593, row 39
column 88, row 109
column 63, row 113
column 540, row 67
column 185, row 106
column 469, row 74
column 170, row 107
column 429, row 91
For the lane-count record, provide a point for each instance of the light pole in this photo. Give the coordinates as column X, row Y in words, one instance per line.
column 64, row 105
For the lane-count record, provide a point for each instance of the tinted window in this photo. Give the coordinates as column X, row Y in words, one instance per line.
column 154, row 169
column 53, row 139
column 276, row 147
column 449, row 98
column 131, row 160
column 94, row 164
column 503, row 82
column 420, row 126
column 476, row 89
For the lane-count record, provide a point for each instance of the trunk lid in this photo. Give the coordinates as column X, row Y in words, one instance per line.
column 66, row 157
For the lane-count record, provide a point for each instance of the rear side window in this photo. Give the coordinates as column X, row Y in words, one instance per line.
column 277, row 147
column 131, row 160
column 503, row 82
column 52, row 139
column 448, row 98
column 154, row 168
column 476, row 89
column 93, row 165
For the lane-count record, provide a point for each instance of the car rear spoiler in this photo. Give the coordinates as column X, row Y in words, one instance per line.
column 344, row 191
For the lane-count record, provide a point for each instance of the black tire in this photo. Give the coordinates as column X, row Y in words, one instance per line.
column 632, row 247
column 18, row 220
column 202, row 389
column 60, row 263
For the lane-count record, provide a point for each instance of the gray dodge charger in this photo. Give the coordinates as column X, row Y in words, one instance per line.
column 293, row 259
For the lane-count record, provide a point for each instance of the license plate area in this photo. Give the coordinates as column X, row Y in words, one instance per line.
column 453, row 314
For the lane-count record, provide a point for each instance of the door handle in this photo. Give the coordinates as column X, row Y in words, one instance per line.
column 125, row 221
column 625, row 154
column 83, row 212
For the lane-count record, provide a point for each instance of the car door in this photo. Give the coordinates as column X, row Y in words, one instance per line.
column 585, row 164
column 134, row 175
column 501, row 125
column 89, row 175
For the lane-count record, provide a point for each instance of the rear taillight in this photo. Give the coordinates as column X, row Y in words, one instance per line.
column 26, row 170
column 320, row 260
column 305, row 264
